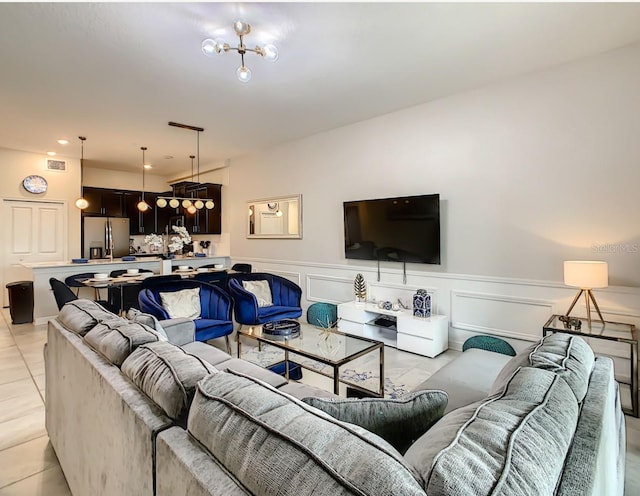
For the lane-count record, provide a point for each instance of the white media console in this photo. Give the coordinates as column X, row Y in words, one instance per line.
column 399, row 329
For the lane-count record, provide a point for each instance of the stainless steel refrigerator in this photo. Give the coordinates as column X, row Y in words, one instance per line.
column 106, row 232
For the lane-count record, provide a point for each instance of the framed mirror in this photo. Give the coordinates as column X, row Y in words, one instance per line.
column 279, row 217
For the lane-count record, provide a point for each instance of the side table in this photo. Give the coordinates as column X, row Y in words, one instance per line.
column 610, row 331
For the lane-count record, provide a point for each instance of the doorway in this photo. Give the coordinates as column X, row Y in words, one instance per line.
column 32, row 231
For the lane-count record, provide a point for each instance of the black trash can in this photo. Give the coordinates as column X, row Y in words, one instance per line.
column 21, row 301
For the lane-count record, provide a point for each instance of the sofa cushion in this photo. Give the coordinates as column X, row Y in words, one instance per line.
column 514, row 443
column 149, row 320
column 116, row 340
column 275, row 444
column 468, row 378
column 398, row 421
column 167, row 374
column 568, row 356
column 261, row 290
column 184, row 303
column 81, row 315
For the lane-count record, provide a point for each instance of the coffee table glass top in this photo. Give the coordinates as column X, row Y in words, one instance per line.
column 613, row 331
column 332, row 347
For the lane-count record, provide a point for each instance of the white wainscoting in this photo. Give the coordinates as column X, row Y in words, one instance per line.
column 513, row 309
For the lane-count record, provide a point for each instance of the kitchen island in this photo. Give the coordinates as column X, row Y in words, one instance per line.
column 45, row 307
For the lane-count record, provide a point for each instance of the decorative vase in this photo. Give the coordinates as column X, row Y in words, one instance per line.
column 360, row 288
column 422, row 304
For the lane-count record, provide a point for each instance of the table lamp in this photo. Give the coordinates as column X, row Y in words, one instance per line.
column 586, row 275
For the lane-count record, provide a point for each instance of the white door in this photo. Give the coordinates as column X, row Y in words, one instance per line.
column 32, row 231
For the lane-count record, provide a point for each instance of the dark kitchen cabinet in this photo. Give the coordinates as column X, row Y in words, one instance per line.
column 103, row 201
column 163, row 215
column 140, row 222
column 205, row 221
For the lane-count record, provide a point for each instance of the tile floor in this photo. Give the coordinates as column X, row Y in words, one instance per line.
column 28, row 465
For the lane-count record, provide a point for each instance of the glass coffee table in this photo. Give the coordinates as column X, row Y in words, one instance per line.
column 332, row 348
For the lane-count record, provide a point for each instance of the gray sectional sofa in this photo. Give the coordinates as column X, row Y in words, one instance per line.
column 129, row 413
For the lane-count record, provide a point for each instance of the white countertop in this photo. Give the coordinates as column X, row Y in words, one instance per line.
column 100, row 261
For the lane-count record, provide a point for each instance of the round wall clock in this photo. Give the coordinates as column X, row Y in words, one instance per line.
column 35, row 184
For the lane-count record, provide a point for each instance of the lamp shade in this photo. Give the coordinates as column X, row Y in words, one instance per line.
column 586, row 274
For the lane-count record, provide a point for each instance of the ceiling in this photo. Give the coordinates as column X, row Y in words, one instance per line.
column 117, row 73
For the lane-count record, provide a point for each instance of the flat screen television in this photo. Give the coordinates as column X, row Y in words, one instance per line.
column 403, row 229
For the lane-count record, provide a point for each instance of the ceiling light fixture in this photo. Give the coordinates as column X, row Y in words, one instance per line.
column 143, row 206
column 191, row 205
column 215, row 47
column 63, row 142
column 51, row 154
column 81, row 202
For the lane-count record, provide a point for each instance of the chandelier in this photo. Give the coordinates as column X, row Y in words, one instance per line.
column 191, row 205
column 211, row 47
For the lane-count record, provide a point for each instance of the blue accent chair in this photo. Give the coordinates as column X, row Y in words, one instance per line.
column 215, row 307
column 285, row 295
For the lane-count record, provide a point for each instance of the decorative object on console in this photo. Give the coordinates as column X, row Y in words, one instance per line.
column 360, row 288
column 422, row 304
column 586, row 275
column 385, row 305
column 81, row 202
column 211, row 47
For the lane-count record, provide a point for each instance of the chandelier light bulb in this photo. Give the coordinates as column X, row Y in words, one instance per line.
column 244, row 74
column 199, row 204
column 270, row 52
column 173, row 203
column 143, row 206
column 241, row 28
column 209, row 47
column 192, row 209
column 161, row 202
column 209, row 205
column 81, row 203
column 186, row 203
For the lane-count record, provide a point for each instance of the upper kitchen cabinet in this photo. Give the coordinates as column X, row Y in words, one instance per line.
column 103, row 201
column 205, row 221
column 140, row 222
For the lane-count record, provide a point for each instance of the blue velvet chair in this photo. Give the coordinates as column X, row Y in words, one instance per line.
column 285, row 295
column 215, row 307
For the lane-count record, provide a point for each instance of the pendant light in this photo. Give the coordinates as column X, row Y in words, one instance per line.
column 81, row 202
column 191, row 205
column 143, row 206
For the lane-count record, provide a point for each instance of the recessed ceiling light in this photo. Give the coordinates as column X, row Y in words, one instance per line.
column 51, row 154
column 63, row 142
column 168, row 157
column 148, row 166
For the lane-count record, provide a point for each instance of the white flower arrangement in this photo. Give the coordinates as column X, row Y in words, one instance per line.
column 153, row 240
column 182, row 238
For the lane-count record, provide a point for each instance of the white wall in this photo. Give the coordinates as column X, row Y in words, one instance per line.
column 63, row 186
column 531, row 172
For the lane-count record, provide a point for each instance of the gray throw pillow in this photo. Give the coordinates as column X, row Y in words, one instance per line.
column 398, row 421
